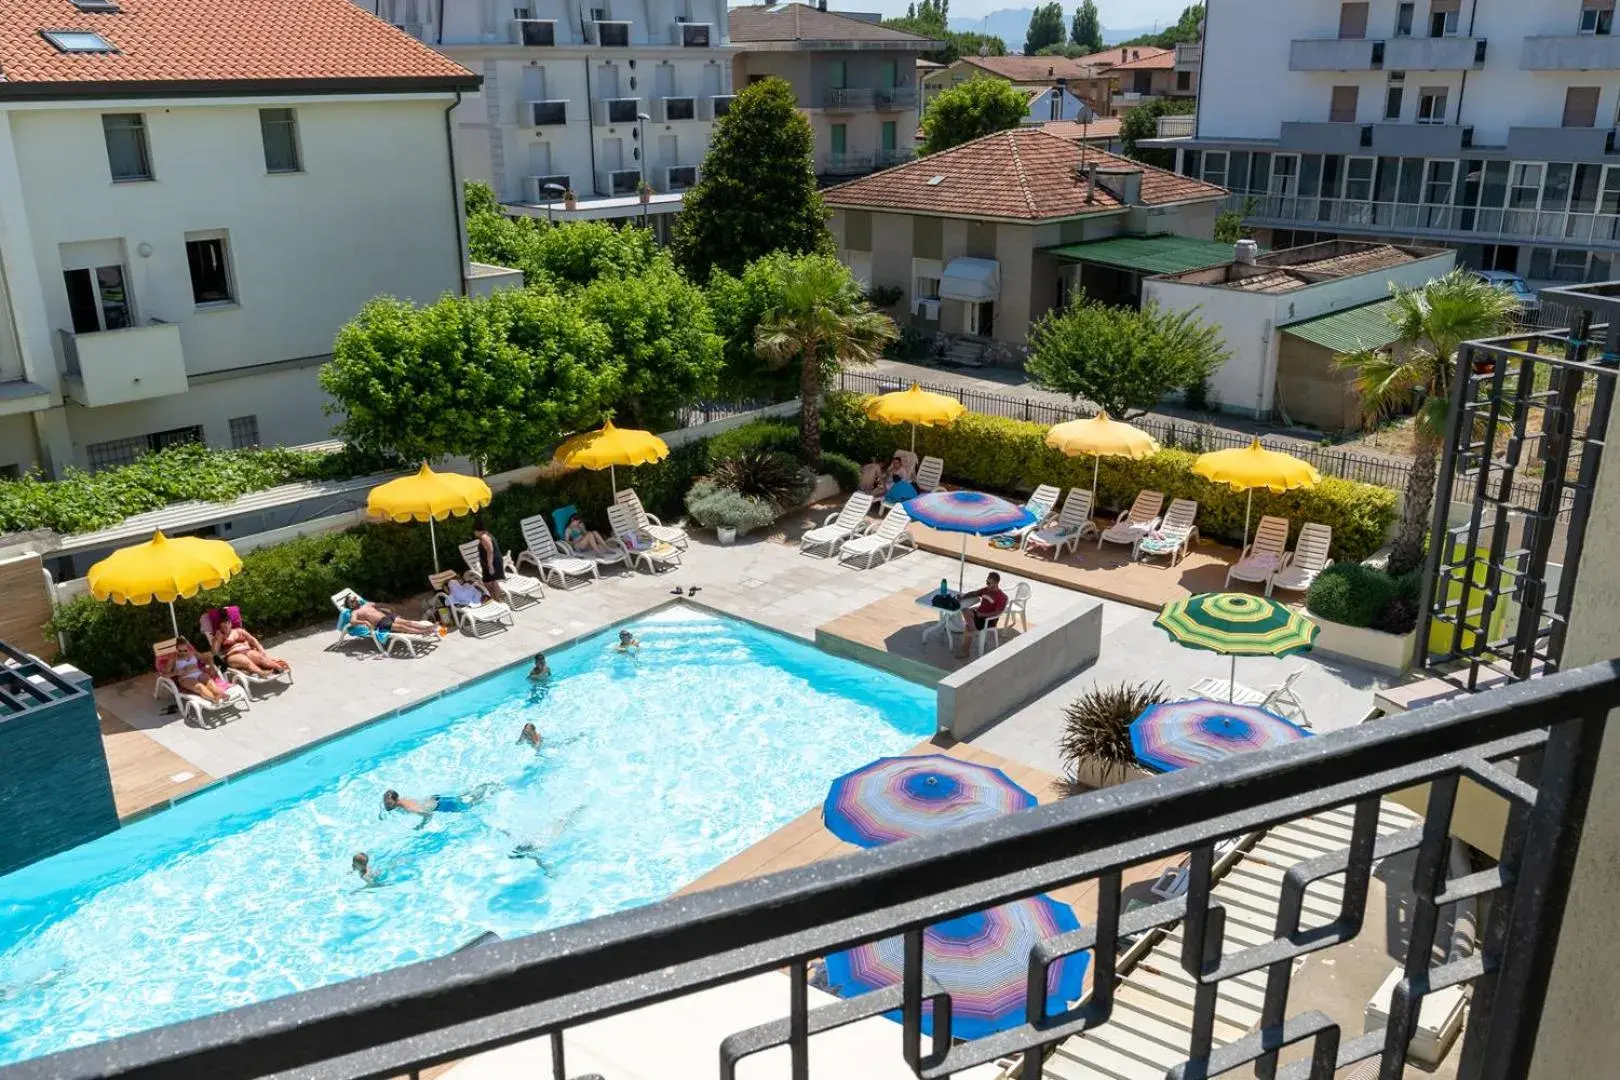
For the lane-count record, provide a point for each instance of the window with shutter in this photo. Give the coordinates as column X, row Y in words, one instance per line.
column 1343, row 108
column 1580, row 106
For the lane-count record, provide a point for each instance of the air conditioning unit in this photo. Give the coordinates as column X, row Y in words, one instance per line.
column 621, row 181
column 536, row 187
column 676, row 108
column 609, row 32
column 541, row 32
column 679, row 177
column 720, row 104
column 1479, row 52
column 1366, row 135
column 690, row 35
column 1468, row 136
column 1377, row 55
column 544, row 113
column 617, row 110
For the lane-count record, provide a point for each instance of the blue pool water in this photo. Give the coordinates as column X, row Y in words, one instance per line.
column 656, row 768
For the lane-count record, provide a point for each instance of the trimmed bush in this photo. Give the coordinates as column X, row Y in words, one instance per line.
column 842, row 469
column 1352, row 594
column 712, row 505
column 779, row 436
column 997, row 454
column 83, row 502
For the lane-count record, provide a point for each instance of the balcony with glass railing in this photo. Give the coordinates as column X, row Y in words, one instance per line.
column 1561, row 227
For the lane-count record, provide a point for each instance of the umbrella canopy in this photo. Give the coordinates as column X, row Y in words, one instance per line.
column 971, row 513
column 1100, row 436
column 914, row 406
column 608, row 447
column 896, row 798
column 428, row 496
column 981, row 960
column 1237, row 624
column 163, row 569
column 1249, row 467
column 1181, row 734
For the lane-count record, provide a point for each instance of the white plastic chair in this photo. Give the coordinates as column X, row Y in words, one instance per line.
column 1176, row 529
column 514, row 584
column 639, row 545
column 1263, row 557
column 1135, row 523
column 1309, row 558
column 1073, row 525
column 839, row 527
column 1018, row 608
column 1040, row 503
column 890, row 536
column 192, row 706
column 649, row 524
column 554, row 560
column 1282, row 700
column 387, row 641
column 473, row 618
column 929, row 474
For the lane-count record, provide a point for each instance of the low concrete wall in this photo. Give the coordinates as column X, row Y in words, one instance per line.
column 1016, row 673
column 1370, row 648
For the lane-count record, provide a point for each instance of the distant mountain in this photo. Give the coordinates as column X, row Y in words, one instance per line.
column 1112, row 36
column 1008, row 24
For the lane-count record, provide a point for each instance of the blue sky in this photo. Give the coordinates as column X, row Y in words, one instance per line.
column 1114, row 12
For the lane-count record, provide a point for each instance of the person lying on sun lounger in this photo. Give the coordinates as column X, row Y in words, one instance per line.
column 382, row 620
column 578, row 536
column 195, row 675
column 436, row 804
column 242, row 650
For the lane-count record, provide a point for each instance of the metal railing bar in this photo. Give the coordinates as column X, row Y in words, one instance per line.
column 444, row 1008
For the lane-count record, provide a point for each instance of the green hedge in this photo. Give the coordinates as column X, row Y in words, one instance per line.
column 290, row 585
column 996, row 454
column 83, row 502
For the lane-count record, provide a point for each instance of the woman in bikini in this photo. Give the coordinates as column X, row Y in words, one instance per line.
column 578, row 536
column 243, row 652
column 194, row 675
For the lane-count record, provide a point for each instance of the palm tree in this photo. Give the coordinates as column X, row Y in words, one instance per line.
column 822, row 320
column 1431, row 324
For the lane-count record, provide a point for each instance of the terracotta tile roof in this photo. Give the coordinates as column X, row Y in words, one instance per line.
column 193, row 45
column 1101, row 129
column 801, row 22
column 1146, row 60
column 1024, row 173
column 1032, row 69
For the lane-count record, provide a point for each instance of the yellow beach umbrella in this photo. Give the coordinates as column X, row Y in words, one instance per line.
column 608, row 447
column 915, row 406
column 163, row 569
column 1101, row 436
column 1249, row 467
column 428, row 496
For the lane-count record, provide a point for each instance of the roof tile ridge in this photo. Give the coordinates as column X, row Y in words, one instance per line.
column 1023, row 177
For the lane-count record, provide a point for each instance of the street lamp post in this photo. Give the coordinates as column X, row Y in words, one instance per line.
column 554, row 190
column 641, row 122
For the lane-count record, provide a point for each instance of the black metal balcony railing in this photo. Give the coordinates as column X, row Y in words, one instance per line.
column 1535, row 744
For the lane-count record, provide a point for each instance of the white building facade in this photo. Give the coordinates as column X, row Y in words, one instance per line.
column 1486, row 125
column 176, row 265
column 581, row 99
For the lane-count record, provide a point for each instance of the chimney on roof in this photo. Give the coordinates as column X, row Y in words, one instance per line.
column 1124, row 54
column 821, row 5
column 1245, row 252
column 1091, row 179
column 1122, row 182
column 1050, row 71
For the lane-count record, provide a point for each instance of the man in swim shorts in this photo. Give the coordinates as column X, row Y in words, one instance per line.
column 435, row 804
column 382, row 620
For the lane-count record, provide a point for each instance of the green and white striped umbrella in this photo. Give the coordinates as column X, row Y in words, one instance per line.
column 1237, row 624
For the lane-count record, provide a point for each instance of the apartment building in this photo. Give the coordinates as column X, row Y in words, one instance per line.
column 855, row 80
column 194, row 198
column 1086, row 78
column 584, row 99
column 1140, row 75
column 1488, row 126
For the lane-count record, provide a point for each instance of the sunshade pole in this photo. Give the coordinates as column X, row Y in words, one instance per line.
column 174, row 622
column 1249, row 507
column 1096, row 473
column 1231, row 682
column 961, row 567
column 433, row 538
column 613, row 481
column 914, row 439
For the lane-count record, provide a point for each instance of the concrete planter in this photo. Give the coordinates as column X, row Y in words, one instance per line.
column 1369, row 648
column 726, row 534
column 1092, row 775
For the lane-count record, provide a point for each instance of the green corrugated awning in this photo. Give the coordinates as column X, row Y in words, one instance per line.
column 1348, row 331
column 1148, row 254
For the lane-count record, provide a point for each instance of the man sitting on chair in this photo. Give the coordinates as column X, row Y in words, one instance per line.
column 987, row 612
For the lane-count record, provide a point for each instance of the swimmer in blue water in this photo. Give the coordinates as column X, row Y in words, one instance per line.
column 533, row 849
column 628, row 642
column 531, row 735
column 361, row 864
column 436, row 804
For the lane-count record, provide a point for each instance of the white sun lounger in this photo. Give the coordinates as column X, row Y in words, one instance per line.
column 514, row 584
column 387, row 641
column 882, row 542
column 642, row 548
column 558, row 560
column 1141, row 519
column 929, row 474
column 1309, row 558
column 1176, row 529
column 1263, row 557
column 192, row 706
column 473, row 618
column 1073, row 525
column 1040, row 503
column 825, row 540
column 648, row 523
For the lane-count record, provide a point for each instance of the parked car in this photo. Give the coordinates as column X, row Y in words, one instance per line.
column 1514, row 284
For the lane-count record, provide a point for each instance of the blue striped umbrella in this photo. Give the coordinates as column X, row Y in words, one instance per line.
column 971, row 513
column 1181, row 734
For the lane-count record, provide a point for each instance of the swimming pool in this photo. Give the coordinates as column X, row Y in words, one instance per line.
column 656, row 767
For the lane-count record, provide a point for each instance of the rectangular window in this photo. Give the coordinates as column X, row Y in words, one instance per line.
column 839, row 138
column 1403, row 19
column 889, row 133
column 1444, row 17
column 1432, row 105
column 104, row 455
column 244, row 432
column 1597, row 17
column 1183, row 80
column 128, row 154
column 279, row 127
column 1285, row 175
column 891, row 75
column 1524, row 186
column 838, row 74
column 1581, row 106
column 1215, row 168
column 928, row 288
column 1353, row 20
column 97, row 299
column 210, row 270
column 1358, row 179
column 1342, row 110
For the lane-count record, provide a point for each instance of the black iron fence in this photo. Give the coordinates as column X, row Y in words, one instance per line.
column 1191, row 435
column 1535, row 744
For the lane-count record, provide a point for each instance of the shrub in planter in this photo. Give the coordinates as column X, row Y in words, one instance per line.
column 780, row 436
column 1097, row 725
column 846, row 471
column 773, row 478
column 1352, row 594
column 714, row 506
column 1400, row 616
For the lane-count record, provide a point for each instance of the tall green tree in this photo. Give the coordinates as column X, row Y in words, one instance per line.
column 1184, row 29
column 976, row 108
column 931, row 18
column 1120, row 359
column 756, row 192
column 1431, row 324
column 1045, row 28
column 1086, row 32
column 821, row 322
column 1142, row 122
column 739, row 303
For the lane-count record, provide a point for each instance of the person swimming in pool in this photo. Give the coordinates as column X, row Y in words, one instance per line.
column 361, row 864
column 533, row 849
column 628, row 641
column 531, row 735
column 436, row 804
column 541, row 671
